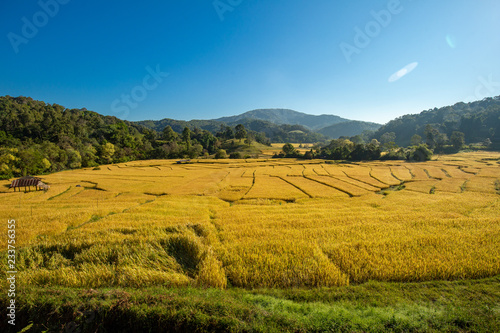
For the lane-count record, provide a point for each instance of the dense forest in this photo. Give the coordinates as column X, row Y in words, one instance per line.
column 275, row 132
column 349, row 128
column 479, row 122
column 37, row 138
column 346, row 150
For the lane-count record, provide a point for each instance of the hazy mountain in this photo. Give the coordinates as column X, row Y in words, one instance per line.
column 348, row 128
column 285, row 116
column 279, row 133
column 275, row 132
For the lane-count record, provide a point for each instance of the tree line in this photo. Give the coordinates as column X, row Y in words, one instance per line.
column 37, row 138
column 274, row 132
column 346, row 150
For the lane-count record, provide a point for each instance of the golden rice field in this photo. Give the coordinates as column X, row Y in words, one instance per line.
column 259, row 223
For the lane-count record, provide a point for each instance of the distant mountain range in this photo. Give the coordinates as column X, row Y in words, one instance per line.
column 289, row 117
column 22, row 118
column 275, row 123
column 478, row 120
column 348, row 128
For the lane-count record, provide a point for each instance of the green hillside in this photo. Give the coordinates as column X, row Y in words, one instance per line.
column 478, row 121
column 285, row 116
column 349, row 128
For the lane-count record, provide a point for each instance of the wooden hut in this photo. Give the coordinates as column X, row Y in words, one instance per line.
column 27, row 183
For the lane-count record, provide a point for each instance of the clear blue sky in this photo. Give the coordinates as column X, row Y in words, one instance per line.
column 230, row 56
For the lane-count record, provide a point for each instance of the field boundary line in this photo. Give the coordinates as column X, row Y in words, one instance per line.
column 57, row 195
column 411, row 173
column 392, row 174
column 361, row 181
column 96, row 218
column 298, row 188
column 253, row 183
column 352, row 178
column 349, row 276
column 429, row 175
column 337, row 188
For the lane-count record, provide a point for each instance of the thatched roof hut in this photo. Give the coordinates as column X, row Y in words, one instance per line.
column 28, row 182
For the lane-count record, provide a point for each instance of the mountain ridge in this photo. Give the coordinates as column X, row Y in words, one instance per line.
column 274, row 117
column 348, row 128
column 288, row 117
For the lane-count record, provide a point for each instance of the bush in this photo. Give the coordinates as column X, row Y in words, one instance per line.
column 220, row 154
column 309, row 155
column 393, row 155
column 289, row 150
column 420, row 154
column 236, row 156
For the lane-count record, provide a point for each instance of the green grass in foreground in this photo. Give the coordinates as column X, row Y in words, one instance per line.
column 460, row 306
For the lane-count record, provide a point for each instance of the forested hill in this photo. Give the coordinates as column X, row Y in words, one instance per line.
column 178, row 125
column 277, row 133
column 25, row 119
column 286, row 117
column 478, row 121
column 36, row 137
column 349, row 128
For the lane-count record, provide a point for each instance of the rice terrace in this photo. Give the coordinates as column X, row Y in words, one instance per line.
column 250, row 166
column 255, row 227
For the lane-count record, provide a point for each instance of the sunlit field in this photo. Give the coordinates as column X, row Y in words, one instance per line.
column 259, row 223
column 276, row 148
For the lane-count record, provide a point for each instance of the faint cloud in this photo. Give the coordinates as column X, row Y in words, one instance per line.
column 451, row 40
column 403, row 72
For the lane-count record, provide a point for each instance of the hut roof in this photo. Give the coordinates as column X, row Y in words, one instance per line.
column 25, row 182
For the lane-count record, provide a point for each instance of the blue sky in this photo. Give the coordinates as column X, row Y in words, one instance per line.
column 367, row 60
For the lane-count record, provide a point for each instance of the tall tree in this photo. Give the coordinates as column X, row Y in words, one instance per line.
column 169, row 134
column 250, row 138
column 457, row 140
column 431, row 136
column 288, row 149
column 107, row 152
column 186, row 137
column 388, row 137
column 416, row 140
column 241, row 132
